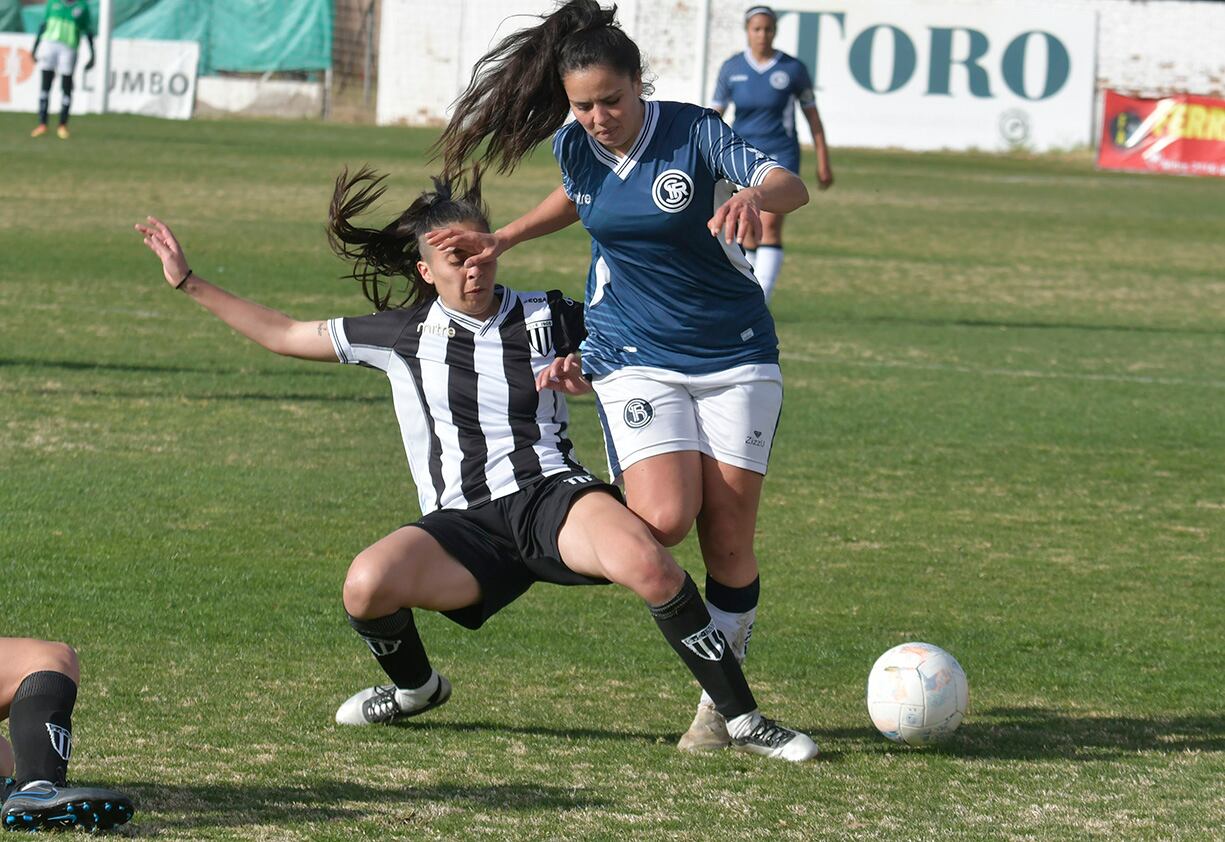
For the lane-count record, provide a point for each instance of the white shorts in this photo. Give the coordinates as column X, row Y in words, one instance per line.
column 52, row 55
column 729, row 415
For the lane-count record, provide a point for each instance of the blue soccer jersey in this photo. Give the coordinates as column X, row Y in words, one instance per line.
column 765, row 96
column 661, row 290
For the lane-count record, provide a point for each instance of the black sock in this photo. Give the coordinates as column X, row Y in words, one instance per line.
column 44, row 95
column 66, row 102
column 41, row 727
column 397, row 647
column 686, row 624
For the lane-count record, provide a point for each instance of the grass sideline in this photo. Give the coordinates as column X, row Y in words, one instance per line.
column 1004, row 432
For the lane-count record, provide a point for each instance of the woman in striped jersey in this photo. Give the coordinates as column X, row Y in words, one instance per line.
column 479, row 374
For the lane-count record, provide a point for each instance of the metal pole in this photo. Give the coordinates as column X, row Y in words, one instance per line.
column 703, row 51
column 105, row 19
column 368, row 24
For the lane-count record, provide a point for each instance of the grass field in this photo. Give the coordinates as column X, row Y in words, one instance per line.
column 1004, row 433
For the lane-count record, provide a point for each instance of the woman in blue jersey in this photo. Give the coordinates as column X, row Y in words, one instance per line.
column 764, row 85
column 504, row 502
column 681, row 347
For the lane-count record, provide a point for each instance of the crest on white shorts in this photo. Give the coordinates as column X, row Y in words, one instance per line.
column 638, row 412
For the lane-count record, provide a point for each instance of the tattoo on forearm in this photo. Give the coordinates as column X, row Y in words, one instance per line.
column 322, row 328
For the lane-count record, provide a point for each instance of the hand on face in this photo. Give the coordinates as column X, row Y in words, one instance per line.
column 480, row 246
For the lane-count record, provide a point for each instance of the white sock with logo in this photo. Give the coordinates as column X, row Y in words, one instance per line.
column 769, row 262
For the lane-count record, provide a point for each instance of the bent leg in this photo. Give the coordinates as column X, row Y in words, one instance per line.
column 38, row 690
column 601, row 538
column 666, row 492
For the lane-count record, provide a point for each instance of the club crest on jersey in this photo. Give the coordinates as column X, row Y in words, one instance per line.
column 540, row 337
column 708, row 644
column 779, row 80
column 672, row 191
column 638, row 413
column 61, row 740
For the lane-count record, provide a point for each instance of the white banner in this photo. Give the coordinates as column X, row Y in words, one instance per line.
column 157, row 78
column 929, row 76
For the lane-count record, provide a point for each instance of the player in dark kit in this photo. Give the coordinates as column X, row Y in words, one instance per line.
column 479, row 374
column 38, row 690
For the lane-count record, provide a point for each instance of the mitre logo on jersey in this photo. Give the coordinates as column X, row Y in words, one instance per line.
column 540, row 336
column 779, row 80
column 61, row 740
column 672, row 191
column 437, row 330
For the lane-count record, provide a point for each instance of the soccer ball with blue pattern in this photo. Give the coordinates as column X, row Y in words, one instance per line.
column 917, row 694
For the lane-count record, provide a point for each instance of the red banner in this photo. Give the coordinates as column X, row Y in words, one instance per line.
column 1184, row 134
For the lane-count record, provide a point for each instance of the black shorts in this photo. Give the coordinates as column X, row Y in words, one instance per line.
column 510, row 543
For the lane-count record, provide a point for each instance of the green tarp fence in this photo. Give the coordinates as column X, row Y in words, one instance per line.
column 241, row 36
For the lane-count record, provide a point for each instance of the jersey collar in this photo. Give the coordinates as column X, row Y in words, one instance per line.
column 760, row 68
column 623, row 166
column 480, row 328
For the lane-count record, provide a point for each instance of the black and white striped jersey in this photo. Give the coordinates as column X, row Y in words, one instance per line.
column 473, row 424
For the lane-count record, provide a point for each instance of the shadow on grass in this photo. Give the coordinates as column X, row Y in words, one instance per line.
column 541, row 731
column 996, row 324
column 1028, row 733
column 179, row 807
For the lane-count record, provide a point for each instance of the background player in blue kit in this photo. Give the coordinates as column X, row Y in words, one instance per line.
column 504, row 502
column 764, row 85
column 681, row 346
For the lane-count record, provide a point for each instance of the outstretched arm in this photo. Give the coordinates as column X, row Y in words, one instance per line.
column 267, row 327
column 552, row 214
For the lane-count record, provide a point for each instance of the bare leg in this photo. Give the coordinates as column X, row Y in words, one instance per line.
column 666, row 492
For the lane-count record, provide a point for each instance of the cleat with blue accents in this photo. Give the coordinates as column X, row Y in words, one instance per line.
column 41, row 805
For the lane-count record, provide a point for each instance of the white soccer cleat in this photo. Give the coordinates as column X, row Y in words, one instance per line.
column 708, row 731
column 755, row 734
column 385, row 703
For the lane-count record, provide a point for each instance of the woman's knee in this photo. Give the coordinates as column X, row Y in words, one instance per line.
column 365, row 586
column 669, row 521
column 58, row 657
column 648, row 570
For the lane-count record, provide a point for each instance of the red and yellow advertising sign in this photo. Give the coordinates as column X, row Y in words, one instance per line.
column 1183, row 135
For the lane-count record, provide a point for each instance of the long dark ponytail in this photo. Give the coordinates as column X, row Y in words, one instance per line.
column 516, row 98
column 380, row 255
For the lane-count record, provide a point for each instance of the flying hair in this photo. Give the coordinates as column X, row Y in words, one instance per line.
column 516, row 97
column 381, row 255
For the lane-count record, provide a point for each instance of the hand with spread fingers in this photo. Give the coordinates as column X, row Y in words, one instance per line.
column 161, row 241
column 738, row 218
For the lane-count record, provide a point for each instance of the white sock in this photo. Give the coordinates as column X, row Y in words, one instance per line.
column 736, row 628
column 418, row 695
column 739, row 726
column 751, row 254
column 769, row 262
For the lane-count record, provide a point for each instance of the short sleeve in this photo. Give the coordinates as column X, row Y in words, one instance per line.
column 723, row 88
column 727, row 154
column 802, row 86
column 367, row 340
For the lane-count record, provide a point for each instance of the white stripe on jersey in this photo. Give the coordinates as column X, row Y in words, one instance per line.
column 724, row 190
column 473, row 425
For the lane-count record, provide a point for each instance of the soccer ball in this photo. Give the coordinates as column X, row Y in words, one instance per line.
column 917, row 694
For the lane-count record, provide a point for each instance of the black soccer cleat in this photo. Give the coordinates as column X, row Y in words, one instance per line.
column 43, row 806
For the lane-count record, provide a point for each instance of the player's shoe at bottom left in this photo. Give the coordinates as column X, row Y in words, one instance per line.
column 41, row 805
column 386, row 703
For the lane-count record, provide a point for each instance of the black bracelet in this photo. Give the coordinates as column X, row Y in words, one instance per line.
column 179, row 285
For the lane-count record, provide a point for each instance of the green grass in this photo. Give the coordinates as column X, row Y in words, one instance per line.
column 1004, row 433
